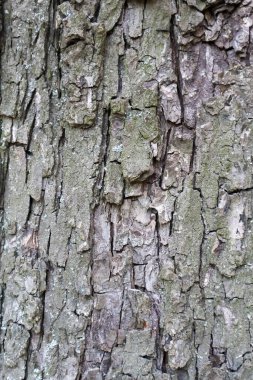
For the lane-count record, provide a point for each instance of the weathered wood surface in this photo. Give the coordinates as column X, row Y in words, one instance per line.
column 126, row 190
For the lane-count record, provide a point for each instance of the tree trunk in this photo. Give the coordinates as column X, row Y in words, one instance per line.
column 126, row 190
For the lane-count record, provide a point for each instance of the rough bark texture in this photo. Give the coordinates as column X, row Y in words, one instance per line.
column 126, row 190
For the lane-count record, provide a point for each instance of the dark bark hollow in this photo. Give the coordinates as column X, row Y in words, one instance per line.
column 126, row 190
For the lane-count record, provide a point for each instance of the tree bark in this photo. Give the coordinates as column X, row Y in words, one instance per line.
column 126, row 190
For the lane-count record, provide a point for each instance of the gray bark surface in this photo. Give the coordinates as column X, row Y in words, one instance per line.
column 126, row 190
